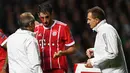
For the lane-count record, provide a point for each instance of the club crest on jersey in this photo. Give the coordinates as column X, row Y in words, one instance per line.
column 54, row 33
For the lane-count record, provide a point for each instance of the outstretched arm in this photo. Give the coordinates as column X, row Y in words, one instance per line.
column 70, row 50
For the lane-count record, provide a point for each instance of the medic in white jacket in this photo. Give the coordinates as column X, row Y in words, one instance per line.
column 107, row 51
column 22, row 47
column 23, row 53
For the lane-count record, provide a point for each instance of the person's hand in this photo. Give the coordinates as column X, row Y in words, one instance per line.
column 88, row 64
column 89, row 53
column 3, row 71
column 57, row 54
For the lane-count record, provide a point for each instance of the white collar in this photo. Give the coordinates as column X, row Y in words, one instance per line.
column 25, row 31
column 98, row 25
column 51, row 25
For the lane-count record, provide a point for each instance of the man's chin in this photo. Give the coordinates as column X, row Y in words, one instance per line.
column 46, row 25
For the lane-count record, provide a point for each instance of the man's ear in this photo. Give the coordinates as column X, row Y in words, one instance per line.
column 31, row 23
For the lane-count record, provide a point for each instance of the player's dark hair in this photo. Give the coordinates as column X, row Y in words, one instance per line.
column 45, row 7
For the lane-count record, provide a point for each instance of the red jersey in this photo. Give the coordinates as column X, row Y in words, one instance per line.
column 3, row 52
column 52, row 40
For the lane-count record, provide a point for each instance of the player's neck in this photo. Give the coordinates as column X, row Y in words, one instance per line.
column 51, row 23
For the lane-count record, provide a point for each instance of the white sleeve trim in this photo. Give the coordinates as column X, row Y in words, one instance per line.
column 70, row 44
column 3, row 43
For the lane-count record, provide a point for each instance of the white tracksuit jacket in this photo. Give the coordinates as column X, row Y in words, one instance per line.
column 23, row 54
column 108, row 51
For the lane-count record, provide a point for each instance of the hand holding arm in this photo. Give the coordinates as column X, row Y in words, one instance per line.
column 88, row 64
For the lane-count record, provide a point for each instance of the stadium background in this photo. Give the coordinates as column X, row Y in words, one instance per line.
column 73, row 12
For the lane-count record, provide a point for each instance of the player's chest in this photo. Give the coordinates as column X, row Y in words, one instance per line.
column 51, row 34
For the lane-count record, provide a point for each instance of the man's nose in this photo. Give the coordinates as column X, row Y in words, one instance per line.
column 45, row 20
column 87, row 22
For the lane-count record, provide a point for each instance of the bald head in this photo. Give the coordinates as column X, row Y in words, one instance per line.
column 26, row 19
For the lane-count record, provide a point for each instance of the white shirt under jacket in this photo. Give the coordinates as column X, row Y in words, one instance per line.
column 23, row 53
column 108, row 52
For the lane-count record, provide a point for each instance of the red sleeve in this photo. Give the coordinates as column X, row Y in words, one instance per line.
column 68, row 37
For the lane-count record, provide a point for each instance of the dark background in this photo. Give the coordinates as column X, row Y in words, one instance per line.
column 73, row 12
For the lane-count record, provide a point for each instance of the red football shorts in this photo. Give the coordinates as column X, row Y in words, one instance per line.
column 55, row 71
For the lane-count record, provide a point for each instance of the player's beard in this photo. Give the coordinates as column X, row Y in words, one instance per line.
column 46, row 24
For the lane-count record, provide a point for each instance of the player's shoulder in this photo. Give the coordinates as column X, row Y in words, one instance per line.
column 108, row 28
column 60, row 23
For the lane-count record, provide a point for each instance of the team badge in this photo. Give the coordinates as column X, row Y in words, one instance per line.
column 54, row 33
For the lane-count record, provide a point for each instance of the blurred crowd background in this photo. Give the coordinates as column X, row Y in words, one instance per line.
column 73, row 12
